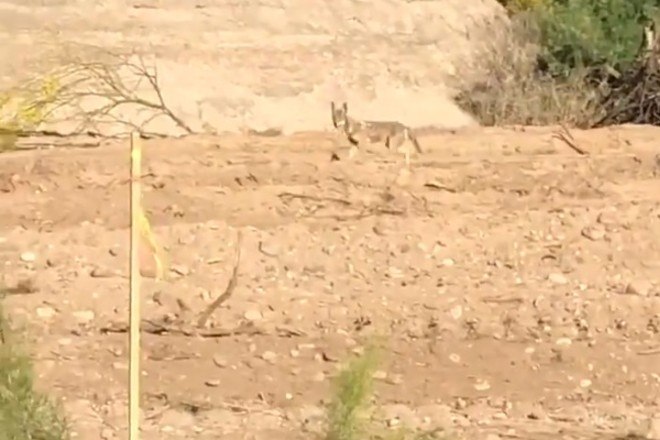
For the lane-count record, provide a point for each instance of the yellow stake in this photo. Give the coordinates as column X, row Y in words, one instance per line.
column 134, row 307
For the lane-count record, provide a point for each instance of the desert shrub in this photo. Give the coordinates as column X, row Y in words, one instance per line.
column 25, row 414
column 514, row 91
column 579, row 34
column 24, row 108
column 516, row 6
column 555, row 61
column 353, row 388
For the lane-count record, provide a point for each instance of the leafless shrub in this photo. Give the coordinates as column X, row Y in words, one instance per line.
column 114, row 93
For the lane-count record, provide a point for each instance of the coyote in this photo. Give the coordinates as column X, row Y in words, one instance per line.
column 392, row 133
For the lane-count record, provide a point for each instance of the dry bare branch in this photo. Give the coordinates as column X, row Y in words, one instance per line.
column 565, row 136
column 224, row 296
column 91, row 93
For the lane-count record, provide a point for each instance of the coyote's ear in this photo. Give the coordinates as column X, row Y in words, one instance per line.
column 345, row 107
column 334, row 113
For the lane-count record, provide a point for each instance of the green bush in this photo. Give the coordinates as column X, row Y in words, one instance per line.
column 578, row 34
column 25, row 414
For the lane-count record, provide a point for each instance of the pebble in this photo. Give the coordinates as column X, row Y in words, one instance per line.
column 220, row 362
column 558, row 278
column 45, row 312
column 269, row 356
column 213, row 383
column 455, row 358
column 594, row 233
column 447, row 262
column 28, row 257
column 180, row 270
column 253, row 315
column 482, row 385
column 639, row 287
column 84, row 316
column 102, row 272
column 564, row 342
column 456, row 312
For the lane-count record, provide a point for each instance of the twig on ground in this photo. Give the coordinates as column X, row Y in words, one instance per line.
column 206, row 314
column 565, row 136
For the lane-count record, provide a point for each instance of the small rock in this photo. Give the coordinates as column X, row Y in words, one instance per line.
column 564, row 342
column 594, row 233
column 45, row 312
column 455, row 358
column 482, row 385
column 398, row 414
column 180, row 270
column 253, row 315
column 102, row 272
column 28, row 257
column 607, row 218
column 447, row 262
column 319, row 377
column 269, row 356
column 213, row 383
column 396, row 379
column 493, row 436
column 220, row 362
column 456, row 312
column 379, row 375
column 558, row 278
column 84, row 316
column 639, row 287
column 585, row 383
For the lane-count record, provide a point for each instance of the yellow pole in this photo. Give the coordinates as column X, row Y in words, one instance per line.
column 134, row 307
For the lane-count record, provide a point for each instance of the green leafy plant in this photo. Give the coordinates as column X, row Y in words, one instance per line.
column 578, row 34
column 24, row 108
column 346, row 412
column 25, row 414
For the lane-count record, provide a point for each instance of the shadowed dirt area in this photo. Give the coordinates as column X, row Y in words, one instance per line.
column 512, row 282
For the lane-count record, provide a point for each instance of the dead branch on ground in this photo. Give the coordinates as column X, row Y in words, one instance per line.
column 566, row 136
column 224, row 296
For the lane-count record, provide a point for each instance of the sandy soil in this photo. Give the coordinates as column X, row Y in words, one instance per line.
column 515, row 282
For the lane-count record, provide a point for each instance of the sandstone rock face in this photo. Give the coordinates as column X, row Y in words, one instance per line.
column 228, row 65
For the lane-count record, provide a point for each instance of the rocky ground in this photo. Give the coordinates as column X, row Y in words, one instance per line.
column 512, row 281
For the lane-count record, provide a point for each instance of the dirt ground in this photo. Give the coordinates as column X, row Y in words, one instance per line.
column 513, row 282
